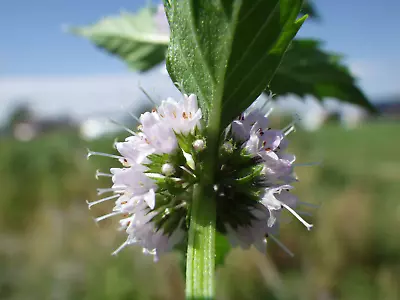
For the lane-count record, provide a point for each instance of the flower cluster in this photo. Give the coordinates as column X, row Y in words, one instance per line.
column 272, row 184
column 163, row 160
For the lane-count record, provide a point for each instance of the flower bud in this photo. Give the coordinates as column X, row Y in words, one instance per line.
column 167, row 169
column 199, row 145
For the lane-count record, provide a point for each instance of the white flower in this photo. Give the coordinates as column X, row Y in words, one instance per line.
column 134, row 188
column 134, row 150
column 183, row 116
column 157, row 133
column 162, row 161
column 254, row 234
column 252, row 130
column 243, row 126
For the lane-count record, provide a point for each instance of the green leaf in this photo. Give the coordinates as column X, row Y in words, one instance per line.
column 305, row 70
column 132, row 37
column 226, row 52
column 308, row 70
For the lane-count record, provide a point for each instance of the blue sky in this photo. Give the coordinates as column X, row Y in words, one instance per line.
column 37, row 46
column 34, row 48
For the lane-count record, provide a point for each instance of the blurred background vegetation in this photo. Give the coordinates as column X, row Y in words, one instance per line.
column 50, row 248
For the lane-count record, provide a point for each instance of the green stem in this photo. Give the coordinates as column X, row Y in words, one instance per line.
column 200, row 259
column 200, row 263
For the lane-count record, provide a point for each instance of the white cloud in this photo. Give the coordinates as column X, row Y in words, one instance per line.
column 84, row 96
column 377, row 77
column 361, row 69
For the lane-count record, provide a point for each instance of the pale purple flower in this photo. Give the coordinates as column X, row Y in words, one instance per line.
column 134, row 189
column 153, row 188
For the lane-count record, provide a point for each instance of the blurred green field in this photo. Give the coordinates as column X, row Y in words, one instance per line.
column 50, row 248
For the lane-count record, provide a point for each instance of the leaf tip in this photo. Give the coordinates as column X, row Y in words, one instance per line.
column 301, row 20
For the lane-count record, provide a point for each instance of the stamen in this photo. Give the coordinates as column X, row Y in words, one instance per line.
column 92, row 153
column 90, row 204
column 124, row 108
column 115, row 213
column 101, row 174
column 122, row 126
column 280, row 244
column 124, row 162
column 108, row 190
column 124, row 244
column 266, row 103
column 289, row 130
column 269, row 112
column 296, row 119
column 153, row 175
column 304, row 213
column 294, row 213
column 148, row 96
column 134, row 117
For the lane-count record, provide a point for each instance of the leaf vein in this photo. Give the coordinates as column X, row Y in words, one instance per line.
column 199, row 50
column 264, row 26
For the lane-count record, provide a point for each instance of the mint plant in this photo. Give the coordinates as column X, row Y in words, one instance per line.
column 209, row 164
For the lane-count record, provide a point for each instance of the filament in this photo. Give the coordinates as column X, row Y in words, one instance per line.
column 280, row 244
column 90, row 204
column 294, row 213
column 93, row 153
column 112, row 214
